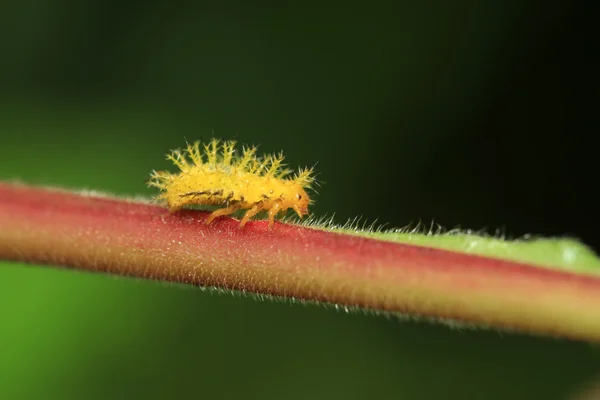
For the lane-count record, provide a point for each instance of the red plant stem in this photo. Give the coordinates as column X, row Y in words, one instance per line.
column 137, row 239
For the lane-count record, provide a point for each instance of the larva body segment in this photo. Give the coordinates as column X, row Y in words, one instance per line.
column 213, row 174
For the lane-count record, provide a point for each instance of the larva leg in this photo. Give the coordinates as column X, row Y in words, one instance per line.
column 251, row 213
column 273, row 212
column 221, row 211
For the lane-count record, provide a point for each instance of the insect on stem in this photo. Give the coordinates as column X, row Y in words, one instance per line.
column 216, row 176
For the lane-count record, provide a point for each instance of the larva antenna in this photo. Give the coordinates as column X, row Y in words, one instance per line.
column 248, row 156
column 313, row 178
column 261, row 165
column 211, row 150
column 253, row 165
column 228, row 151
column 304, row 177
column 194, row 153
column 276, row 163
column 178, row 159
column 283, row 173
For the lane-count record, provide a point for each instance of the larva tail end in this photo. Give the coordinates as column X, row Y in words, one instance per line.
column 159, row 179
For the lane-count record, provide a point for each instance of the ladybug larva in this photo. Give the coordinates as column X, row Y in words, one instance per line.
column 213, row 174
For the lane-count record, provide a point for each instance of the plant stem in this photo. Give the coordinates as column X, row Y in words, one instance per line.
column 111, row 235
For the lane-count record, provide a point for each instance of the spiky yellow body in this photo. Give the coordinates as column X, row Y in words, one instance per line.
column 215, row 175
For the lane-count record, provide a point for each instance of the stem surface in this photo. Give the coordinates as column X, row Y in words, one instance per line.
column 97, row 233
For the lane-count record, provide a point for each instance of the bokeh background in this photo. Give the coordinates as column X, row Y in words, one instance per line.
column 470, row 114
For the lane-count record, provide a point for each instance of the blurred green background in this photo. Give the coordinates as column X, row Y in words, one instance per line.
column 467, row 114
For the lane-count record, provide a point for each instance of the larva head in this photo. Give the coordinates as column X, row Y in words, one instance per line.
column 300, row 201
column 302, row 181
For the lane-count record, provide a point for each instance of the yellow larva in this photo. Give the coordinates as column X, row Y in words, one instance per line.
column 213, row 174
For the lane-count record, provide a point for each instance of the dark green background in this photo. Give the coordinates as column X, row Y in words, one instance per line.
column 462, row 113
